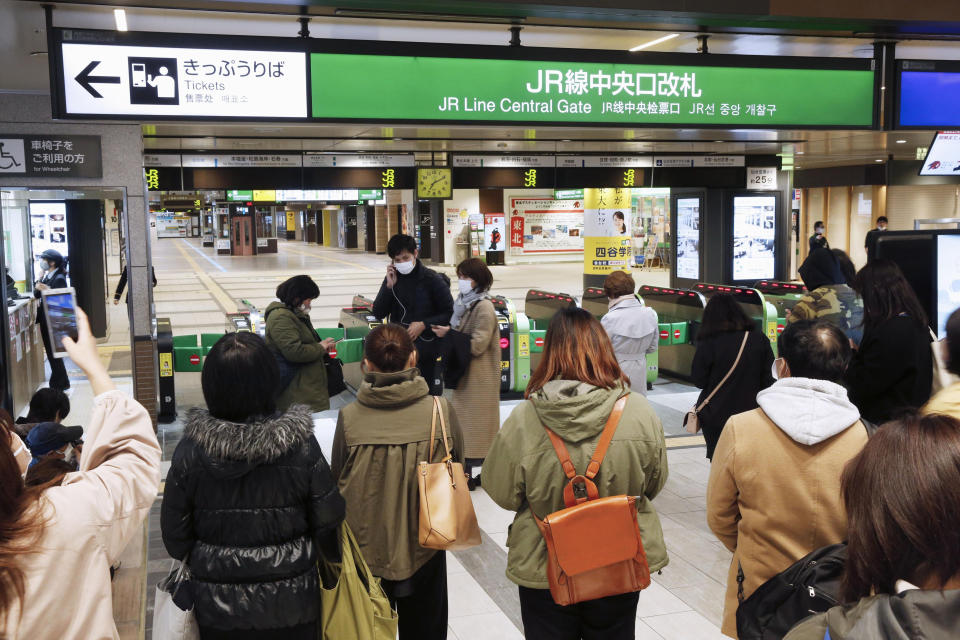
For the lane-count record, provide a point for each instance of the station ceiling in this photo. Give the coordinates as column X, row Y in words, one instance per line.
column 744, row 27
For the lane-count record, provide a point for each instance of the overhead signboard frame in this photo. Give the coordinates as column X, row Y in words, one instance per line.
column 819, row 93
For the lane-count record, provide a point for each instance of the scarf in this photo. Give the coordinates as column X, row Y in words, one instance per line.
column 464, row 303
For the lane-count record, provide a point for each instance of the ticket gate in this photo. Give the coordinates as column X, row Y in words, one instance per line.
column 679, row 312
column 783, row 295
column 540, row 307
column 753, row 303
column 356, row 321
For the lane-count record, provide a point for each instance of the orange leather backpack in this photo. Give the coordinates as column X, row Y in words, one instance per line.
column 594, row 548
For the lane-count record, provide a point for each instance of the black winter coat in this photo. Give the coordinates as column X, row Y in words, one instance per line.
column 421, row 295
column 712, row 361
column 251, row 504
column 892, row 369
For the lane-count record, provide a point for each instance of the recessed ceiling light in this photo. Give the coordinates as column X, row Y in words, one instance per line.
column 879, row 160
column 719, row 141
column 397, row 139
column 120, row 18
column 800, row 153
column 901, row 141
column 566, row 140
column 654, row 42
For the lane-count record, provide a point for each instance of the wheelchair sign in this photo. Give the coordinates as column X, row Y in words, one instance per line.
column 12, row 159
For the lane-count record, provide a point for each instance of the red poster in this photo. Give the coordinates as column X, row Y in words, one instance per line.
column 516, row 231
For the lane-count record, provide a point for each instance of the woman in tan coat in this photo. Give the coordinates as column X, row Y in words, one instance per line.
column 476, row 399
column 774, row 489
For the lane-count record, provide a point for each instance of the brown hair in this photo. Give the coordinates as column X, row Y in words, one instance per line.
column 20, row 526
column 902, row 495
column 388, row 347
column 577, row 348
column 476, row 269
column 619, row 283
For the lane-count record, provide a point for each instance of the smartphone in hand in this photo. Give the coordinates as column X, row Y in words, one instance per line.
column 60, row 309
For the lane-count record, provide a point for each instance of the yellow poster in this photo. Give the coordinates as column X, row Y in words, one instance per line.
column 602, row 256
column 291, row 221
column 166, row 365
column 606, row 228
column 265, row 195
column 523, row 346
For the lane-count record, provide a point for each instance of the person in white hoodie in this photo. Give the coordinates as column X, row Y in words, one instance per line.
column 774, row 489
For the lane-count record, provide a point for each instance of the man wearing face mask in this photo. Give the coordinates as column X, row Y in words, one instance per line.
column 774, row 490
column 417, row 298
column 818, row 239
column 52, row 264
column 49, row 439
column 870, row 243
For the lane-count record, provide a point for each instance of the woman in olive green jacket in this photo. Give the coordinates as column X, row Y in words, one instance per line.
column 378, row 444
column 290, row 334
column 572, row 393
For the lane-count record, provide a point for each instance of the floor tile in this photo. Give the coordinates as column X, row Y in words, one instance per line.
column 467, row 598
column 688, row 625
column 491, row 626
column 657, row 600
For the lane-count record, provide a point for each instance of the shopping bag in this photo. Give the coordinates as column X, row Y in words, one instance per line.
column 170, row 622
column 355, row 605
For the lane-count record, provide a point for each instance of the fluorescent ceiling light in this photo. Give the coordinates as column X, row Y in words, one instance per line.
column 901, row 141
column 655, row 42
column 878, row 160
column 120, row 17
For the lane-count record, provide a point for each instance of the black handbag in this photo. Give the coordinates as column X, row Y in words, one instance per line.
column 335, row 383
column 808, row 587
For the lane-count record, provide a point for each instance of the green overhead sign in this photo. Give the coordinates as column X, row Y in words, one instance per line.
column 568, row 194
column 235, row 195
column 465, row 89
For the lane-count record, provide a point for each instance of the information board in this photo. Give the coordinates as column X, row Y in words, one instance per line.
column 548, row 225
column 928, row 94
column 948, row 279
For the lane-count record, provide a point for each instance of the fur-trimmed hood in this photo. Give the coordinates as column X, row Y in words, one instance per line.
column 249, row 444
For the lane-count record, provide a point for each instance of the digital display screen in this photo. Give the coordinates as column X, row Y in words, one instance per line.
column 943, row 158
column 61, row 319
column 929, row 99
column 754, row 222
column 948, row 279
column 688, row 238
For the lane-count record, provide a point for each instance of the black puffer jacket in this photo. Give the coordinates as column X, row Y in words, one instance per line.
column 251, row 504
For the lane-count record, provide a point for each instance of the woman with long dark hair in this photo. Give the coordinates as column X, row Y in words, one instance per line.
column 572, row 393
column 892, row 369
column 59, row 539
column 902, row 576
column 724, row 328
column 250, row 502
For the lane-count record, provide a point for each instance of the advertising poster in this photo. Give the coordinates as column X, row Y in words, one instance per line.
column 754, row 219
column 516, row 234
column 495, row 231
column 548, row 225
column 48, row 227
column 948, row 280
column 943, row 158
column 688, row 238
column 607, row 245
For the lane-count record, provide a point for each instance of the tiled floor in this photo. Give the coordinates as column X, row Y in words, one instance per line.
column 195, row 288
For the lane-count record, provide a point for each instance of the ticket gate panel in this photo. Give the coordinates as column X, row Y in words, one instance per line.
column 679, row 312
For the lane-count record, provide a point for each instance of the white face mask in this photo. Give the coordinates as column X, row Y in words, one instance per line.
column 466, row 286
column 70, row 454
column 404, row 268
column 43, row 265
column 305, row 307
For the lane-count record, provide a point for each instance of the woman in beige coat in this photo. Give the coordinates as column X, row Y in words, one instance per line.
column 66, row 536
column 477, row 396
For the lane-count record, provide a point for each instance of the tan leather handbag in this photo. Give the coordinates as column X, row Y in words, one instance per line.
column 447, row 519
column 594, row 547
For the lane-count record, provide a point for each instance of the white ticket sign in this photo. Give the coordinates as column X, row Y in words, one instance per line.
column 165, row 81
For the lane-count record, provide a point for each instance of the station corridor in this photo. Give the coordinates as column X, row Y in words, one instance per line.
column 195, row 288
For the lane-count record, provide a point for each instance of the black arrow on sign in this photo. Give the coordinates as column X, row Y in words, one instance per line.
column 85, row 80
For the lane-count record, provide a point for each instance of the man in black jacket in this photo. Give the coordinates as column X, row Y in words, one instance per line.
column 417, row 298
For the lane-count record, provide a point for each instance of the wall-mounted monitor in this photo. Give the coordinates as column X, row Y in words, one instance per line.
column 688, row 238
column 754, row 236
column 943, row 157
column 948, row 279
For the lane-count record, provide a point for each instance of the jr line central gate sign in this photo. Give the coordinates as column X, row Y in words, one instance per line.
column 176, row 76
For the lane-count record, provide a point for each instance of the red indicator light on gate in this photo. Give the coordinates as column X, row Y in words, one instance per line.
column 504, row 343
column 676, row 333
column 194, row 359
column 664, row 335
column 779, row 328
column 333, row 353
column 538, row 342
